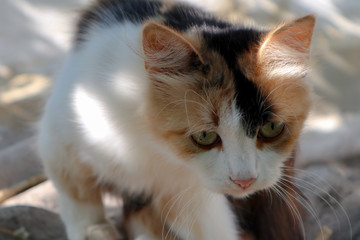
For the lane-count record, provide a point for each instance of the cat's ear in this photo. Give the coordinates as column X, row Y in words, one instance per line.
column 166, row 49
column 285, row 50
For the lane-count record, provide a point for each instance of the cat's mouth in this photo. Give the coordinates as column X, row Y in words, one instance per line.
column 239, row 193
column 244, row 188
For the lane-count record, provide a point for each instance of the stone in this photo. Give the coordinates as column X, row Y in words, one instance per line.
column 36, row 223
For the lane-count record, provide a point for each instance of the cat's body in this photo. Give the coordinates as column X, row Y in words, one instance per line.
column 170, row 104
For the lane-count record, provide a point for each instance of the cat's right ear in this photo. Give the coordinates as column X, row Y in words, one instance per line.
column 285, row 50
column 167, row 50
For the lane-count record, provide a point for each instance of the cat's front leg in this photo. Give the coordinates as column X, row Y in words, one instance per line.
column 193, row 217
column 215, row 220
column 80, row 201
column 85, row 219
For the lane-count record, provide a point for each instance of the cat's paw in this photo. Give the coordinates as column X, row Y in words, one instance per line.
column 104, row 231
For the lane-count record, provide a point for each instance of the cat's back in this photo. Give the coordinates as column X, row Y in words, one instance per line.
column 109, row 13
column 105, row 14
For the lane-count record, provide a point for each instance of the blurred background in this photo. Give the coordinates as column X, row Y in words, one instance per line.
column 35, row 37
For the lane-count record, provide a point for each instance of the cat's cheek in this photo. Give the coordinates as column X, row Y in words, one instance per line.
column 270, row 166
column 210, row 169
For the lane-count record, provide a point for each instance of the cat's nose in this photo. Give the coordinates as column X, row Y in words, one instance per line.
column 244, row 183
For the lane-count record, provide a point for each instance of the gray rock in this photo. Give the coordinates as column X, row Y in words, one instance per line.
column 38, row 224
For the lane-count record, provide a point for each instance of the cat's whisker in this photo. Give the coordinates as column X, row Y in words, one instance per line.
column 192, row 218
column 200, row 104
column 208, row 99
column 197, row 127
column 313, row 186
column 186, row 101
column 179, row 213
column 174, row 200
column 281, row 85
column 177, row 102
column 269, row 194
column 295, row 212
column 315, row 178
column 266, row 110
column 304, row 202
column 318, row 195
column 186, row 108
column 279, row 191
column 208, row 102
column 206, row 108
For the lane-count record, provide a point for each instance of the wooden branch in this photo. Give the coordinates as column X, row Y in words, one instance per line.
column 21, row 187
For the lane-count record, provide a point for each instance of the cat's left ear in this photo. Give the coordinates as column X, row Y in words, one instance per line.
column 285, row 50
column 166, row 49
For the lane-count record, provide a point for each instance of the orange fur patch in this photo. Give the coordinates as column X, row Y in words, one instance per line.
column 77, row 179
column 150, row 217
column 179, row 106
column 170, row 209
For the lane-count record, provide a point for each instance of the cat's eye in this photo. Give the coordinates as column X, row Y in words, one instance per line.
column 271, row 130
column 206, row 139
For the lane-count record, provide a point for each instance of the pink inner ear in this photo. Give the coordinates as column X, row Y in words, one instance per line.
column 296, row 35
column 158, row 38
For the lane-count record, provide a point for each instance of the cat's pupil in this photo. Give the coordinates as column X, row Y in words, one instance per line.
column 204, row 134
column 272, row 126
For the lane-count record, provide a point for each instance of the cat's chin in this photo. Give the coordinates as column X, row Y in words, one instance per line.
column 235, row 192
column 240, row 193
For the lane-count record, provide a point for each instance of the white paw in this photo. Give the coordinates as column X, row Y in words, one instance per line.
column 104, row 231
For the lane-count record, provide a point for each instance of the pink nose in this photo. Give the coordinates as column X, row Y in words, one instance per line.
column 244, row 183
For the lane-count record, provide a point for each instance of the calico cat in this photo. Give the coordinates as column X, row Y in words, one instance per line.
column 165, row 103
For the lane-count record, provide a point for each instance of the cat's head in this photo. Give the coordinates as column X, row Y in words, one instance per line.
column 229, row 101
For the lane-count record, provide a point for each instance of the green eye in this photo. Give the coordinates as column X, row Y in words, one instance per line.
column 206, row 139
column 271, row 130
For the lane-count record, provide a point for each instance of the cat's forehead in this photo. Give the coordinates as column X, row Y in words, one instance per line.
column 228, row 48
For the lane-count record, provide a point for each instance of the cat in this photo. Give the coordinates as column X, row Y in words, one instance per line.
column 183, row 114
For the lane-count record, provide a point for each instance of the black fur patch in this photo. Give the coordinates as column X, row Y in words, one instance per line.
column 182, row 17
column 109, row 12
column 134, row 203
column 230, row 43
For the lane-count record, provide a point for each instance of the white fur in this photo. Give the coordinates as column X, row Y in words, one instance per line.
column 97, row 107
